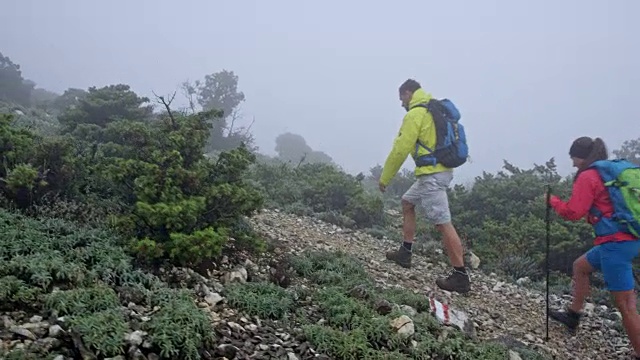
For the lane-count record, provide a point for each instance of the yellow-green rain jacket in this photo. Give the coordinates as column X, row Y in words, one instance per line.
column 417, row 124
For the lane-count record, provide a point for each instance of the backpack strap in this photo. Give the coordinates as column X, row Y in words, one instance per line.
column 441, row 129
column 604, row 226
column 419, row 143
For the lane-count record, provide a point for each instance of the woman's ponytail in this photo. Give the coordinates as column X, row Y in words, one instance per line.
column 598, row 152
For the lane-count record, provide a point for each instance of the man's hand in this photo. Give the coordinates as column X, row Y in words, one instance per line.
column 382, row 187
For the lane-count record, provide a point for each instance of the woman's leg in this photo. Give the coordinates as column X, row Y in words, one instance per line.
column 581, row 271
column 617, row 270
column 582, row 267
column 626, row 304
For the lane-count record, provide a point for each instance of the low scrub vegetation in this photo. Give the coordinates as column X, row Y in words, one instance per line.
column 82, row 279
column 337, row 305
column 319, row 189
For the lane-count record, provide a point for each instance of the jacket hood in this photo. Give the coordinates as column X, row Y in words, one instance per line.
column 419, row 96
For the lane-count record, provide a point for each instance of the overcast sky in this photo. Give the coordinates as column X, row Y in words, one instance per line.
column 527, row 76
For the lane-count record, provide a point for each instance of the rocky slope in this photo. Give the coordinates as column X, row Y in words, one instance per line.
column 497, row 310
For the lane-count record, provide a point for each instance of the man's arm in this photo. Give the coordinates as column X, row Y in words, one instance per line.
column 403, row 144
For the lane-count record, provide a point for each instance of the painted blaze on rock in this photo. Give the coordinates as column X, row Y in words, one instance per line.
column 449, row 316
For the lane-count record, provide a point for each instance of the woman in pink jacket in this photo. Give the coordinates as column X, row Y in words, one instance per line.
column 613, row 251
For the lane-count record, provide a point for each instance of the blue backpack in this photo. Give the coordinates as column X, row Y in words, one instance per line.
column 622, row 180
column 451, row 142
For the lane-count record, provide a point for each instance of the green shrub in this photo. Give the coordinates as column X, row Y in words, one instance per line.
column 518, row 267
column 246, row 238
column 366, row 210
column 33, row 165
column 300, row 209
column 146, row 173
column 320, row 188
column 178, row 204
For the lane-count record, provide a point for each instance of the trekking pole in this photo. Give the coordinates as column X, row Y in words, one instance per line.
column 548, row 223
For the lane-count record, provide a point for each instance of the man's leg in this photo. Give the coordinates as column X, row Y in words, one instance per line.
column 402, row 256
column 408, row 222
column 452, row 244
column 458, row 279
column 436, row 205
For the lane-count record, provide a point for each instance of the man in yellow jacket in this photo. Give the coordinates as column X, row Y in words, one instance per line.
column 429, row 190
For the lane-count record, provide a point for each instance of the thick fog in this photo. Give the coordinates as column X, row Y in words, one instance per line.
column 528, row 77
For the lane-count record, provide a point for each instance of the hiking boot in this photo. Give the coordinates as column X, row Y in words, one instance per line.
column 456, row 281
column 569, row 318
column 402, row 256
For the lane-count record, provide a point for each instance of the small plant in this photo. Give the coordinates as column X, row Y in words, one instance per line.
column 336, row 218
column 179, row 330
column 331, row 268
column 16, row 293
column 520, row 266
column 82, row 300
column 102, row 331
column 342, row 311
column 528, row 354
column 342, row 345
column 379, row 232
column 299, row 209
column 403, row 296
column 263, row 299
column 18, row 354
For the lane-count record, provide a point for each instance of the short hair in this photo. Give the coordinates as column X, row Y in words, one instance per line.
column 409, row 85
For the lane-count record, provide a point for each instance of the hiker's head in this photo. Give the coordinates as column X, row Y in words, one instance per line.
column 585, row 151
column 406, row 91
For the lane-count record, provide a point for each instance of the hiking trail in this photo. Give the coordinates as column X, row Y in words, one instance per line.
column 499, row 309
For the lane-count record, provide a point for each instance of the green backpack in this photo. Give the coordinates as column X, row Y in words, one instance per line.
column 622, row 180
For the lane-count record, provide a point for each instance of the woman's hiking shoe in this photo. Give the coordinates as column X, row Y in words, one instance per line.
column 402, row 256
column 457, row 281
column 569, row 318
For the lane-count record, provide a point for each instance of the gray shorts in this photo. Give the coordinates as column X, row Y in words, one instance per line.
column 430, row 191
